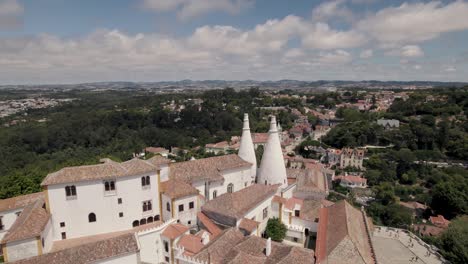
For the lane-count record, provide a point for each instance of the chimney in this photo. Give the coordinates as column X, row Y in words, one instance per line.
column 246, row 148
column 268, row 247
column 205, row 238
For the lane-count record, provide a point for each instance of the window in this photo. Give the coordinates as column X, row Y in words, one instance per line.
column 64, row 235
column 245, row 184
column 296, row 213
column 167, row 259
column 42, row 242
column 166, row 246
column 156, row 218
column 145, row 181
column 181, row 207
column 191, row 205
column 215, row 193
column 1, row 223
column 143, row 221
column 189, row 222
column 168, row 206
column 18, row 214
column 230, row 188
column 119, row 201
column 136, row 223
column 149, row 220
column 70, row 192
column 121, row 214
column 295, row 239
column 265, row 182
column 62, row 224
column 92, row 217
column 109, row 186
column 147, row 206
column 265, row 212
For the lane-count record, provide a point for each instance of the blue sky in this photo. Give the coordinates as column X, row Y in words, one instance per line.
column 64, row 41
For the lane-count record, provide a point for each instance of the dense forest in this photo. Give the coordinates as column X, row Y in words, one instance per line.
column 117, row 124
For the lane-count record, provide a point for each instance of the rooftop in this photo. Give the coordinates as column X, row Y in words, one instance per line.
column 174, row 231
column 235, row 205
column 106, row 170
column 29, row 224
column 176, row 189
column 19, row 201
column 206, row 169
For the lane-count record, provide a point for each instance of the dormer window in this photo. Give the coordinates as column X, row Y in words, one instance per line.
column 70, row 192
column 109, row 187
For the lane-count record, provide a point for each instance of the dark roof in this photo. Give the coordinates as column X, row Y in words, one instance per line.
column 206, row 169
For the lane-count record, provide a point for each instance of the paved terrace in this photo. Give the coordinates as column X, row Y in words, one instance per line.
column 393, row 245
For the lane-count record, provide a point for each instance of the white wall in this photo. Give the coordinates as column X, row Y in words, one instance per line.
column 8, row 219
column 132, row 258
column 239, row 177
column 92, row 198
column 164, row 172
column 188, row 214
column 257, row 212
column 22, row 249
column 48, row 237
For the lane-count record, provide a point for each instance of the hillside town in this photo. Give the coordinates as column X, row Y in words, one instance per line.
column 153, row 209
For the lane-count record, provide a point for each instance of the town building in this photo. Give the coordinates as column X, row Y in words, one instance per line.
column 352, row 157
column 389, row 123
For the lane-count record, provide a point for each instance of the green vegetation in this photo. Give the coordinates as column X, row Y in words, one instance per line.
column 275, row 229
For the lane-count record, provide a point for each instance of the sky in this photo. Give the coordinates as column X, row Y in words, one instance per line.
column 65, row 41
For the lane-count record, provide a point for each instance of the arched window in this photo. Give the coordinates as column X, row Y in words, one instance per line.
column 136, row 223
column 215, row 193
column 92, row 217
column 149, row 220
column 73, row 190
column 150, row 206
column 112, row 185
column 265, row 182
column 67, row 191
column 168, row 206
column 230, row 188
column 147, row 180
column 156, row 218
column 145, row 207
column 143, row 221
column 106, row 186
column 70, row 191
column 143, row 181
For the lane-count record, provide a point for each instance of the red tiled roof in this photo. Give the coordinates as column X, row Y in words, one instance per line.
column 174, row 231
column 248, row 225
column 156, row 150
column 208, row 224
column 176, row 189
column 192, row 244
column 439, row 220
column 20, row 201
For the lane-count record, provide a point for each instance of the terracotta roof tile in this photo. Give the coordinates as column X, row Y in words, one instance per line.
column 248, row 225
column 107, row 170
column 206, row 169
column 208, row 224
column 176, row 189
column 20, row 201
column 30, row 223
column 88, row 253
column 192, row 244
column 174, row 231
column 235, row 205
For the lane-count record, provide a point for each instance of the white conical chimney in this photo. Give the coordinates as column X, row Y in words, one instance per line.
column 246, row 148
column 268, row 247
column 272, row 169
column 205, row 238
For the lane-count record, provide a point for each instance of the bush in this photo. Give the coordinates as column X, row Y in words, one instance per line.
column 275, row 229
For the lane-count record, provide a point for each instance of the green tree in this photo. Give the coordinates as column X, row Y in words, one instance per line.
column 454, row 241
column 275, row 229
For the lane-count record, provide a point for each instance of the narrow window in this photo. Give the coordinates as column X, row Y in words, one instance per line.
column 73, row 190
column 168, row 207
column 189, row 222
column 147, row 180
column 166, row 246
column 119, row 201
column 64, row 235
column 1, row 223
column 106, row 186
column 181, row 207
column 150, row 206
column 215, row 193
column 191, row 205
column 147, row 206
column 112, row 185
column 143, row 182
column 230, row 188
column 265, row 212
column 92, row 218
column 296, row 213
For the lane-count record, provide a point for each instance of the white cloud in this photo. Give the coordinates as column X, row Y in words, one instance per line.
column 365, row 54
column 417, row 67
column 450, row 69
column 321, row 36
column 188, row 9
column 10, row 14
column 332, row 9
column 415, row 22
column 411, row 51
column 335, row 57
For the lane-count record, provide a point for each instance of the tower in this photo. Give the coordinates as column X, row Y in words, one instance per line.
column 246, row 148
column 272, row 169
